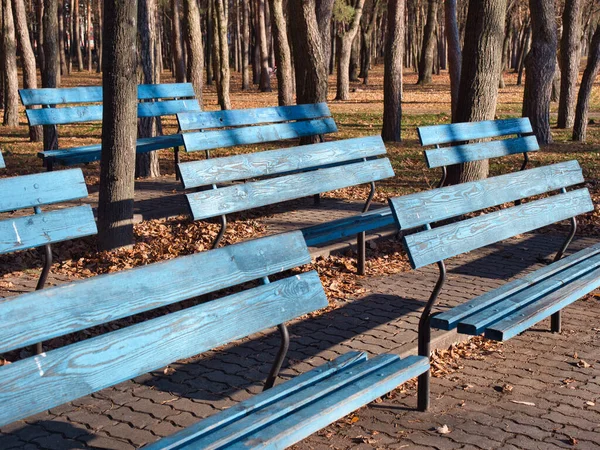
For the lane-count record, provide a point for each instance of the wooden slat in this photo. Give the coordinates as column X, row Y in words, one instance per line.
column 208, row 140
column 450, row 240
column 165, row 90
column 60, row 96
column 40, row 189
column 166, row 107
column 449, row 320
column 61, row 116
column 2, row 165
column 241, row 167
column 52, row 312
column 447, row 156
column 457, row 132
column 545, row 307
column 259, row 401
column 250, row 195
column 505, row 308
column 41, row 382
column 254, row 116
column 46, row 228
column 431, row 206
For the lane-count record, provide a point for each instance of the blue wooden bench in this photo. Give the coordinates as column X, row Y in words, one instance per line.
column 84, row 104
column 274, row 176
column 278, row 417
column 517, row 305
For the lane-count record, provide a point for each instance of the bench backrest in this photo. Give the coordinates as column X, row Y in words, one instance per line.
column 61, row 375
column 2, row 165
column 220, row 129
column 41, row 228
column 293, row 173
column 154, row 100
column 426, row 208
column 456, row 134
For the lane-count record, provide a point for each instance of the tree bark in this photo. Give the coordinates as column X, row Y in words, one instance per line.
column 478, row 92
column 345, row 40
column 115, row 204
column 540, row 66
column 77, row 34
column 224, row 75
column 587, row 82
column 392, row 77
column 265, row 77
column 426, row 62
column 178, row 43
column 283, row 57
column 193, row 38
column 245, row 46
column 61, row 38
column 51, row 70
column 367, row 38
column 99, row 37
column 570, row 47
column 454, row 52
column 210, row 42
column 9, row 50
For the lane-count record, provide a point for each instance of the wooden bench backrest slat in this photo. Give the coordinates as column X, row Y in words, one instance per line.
column 271, row 162
column 61, row 96
column 63, row 116
column 50, row 227
column 250, row 195
column 166, row 107
column 434, row 245
column 245, row 117
column 428, row 207
column 165, row 90
column 440, row 157
column 213, row 139
column 52, row 312
column 28, row 191
column 458, row 132
column 41, row 382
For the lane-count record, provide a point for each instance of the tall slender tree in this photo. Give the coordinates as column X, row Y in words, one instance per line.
column 51, row 72
column 223, row 51
column 429, row 40
column 193, row 39
column 589, row 75
column 346, row 36
column 9, row 54
column 265, row 75
column 392, row 77
column 77, row 34
column 178, row 56
column 283, row 55
column 454, row 51
column 245, row 46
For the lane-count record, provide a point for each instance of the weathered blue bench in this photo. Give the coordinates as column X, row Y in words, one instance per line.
column 206, row 131
column 155, row 100
column 517, row 305
column 274, row 176
column 278, row 417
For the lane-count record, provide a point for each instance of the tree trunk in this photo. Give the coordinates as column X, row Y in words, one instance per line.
column 40, row 34
column 478, row 92
column 77, row 37
column 51, row 70
column 392, row 77
column 178, row 43
column 345, row 40
column 193, row 38
column 210, row 42
column 245, row 46
column 454, row 52
column 88, row 35
column 99, row 38
column 27, row 58
column 283, row 57
column 367, row 39
column 540, row 66
column 426, row 62
column 9, row 50
column 61, row 38
column 115, row 203
column 265, row 77
column 583, row 101
column 355, row 57
column 570, row 46
column 223, row 82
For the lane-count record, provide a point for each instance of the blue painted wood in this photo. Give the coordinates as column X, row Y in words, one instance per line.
column 167, row 107
column 447, row 156
column 257, row 402
column 421, row 208
column 60, row 96
column 46, row 228
column 271, row 162
column 56, row 311
column 28, row 191
column 450, row 240
column 457, row 132
column 41, row 382
column 297, row 416
column 209, row 140
column 449, row 320
column 249, row 195
column 2, row 165
column 61, row 116
column 165, row 90
column 254, row 116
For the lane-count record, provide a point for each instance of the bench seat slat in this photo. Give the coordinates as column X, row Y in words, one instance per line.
column 208, row 140
column 545, row 307
column 271, row 162
column 38, row 383
column 448, row 320
column 450, row 240
column 482, row 150
column 60, row 96
column 62, row 116
column 165, row 90
column 428, row 207
column 457, row 132
column 167, row 107
column 52, row 312
column 253, row 116
column 36, row 230
column 245, row 196
column 39, row 189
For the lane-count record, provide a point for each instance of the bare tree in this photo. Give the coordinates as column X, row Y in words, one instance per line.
column 77, row 34
column 245, row 46
column 265, row 76
column 454, row 51
column 223, row 51
column 392, row 78
column 346, row 35
column 9, row 53
column 426, row 62
column 193, row 38
column 283, row 55
column 61, row 38
column 583, row 100
column 51, row 72
column 178, row 43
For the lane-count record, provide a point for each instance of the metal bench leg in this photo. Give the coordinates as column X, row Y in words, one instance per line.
column 44, row 275
column 48, row 166
column 362, row 252
column 177, row 161
column 221, row 232
column 283, row 349
column 317, row 199
column 556, row 322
